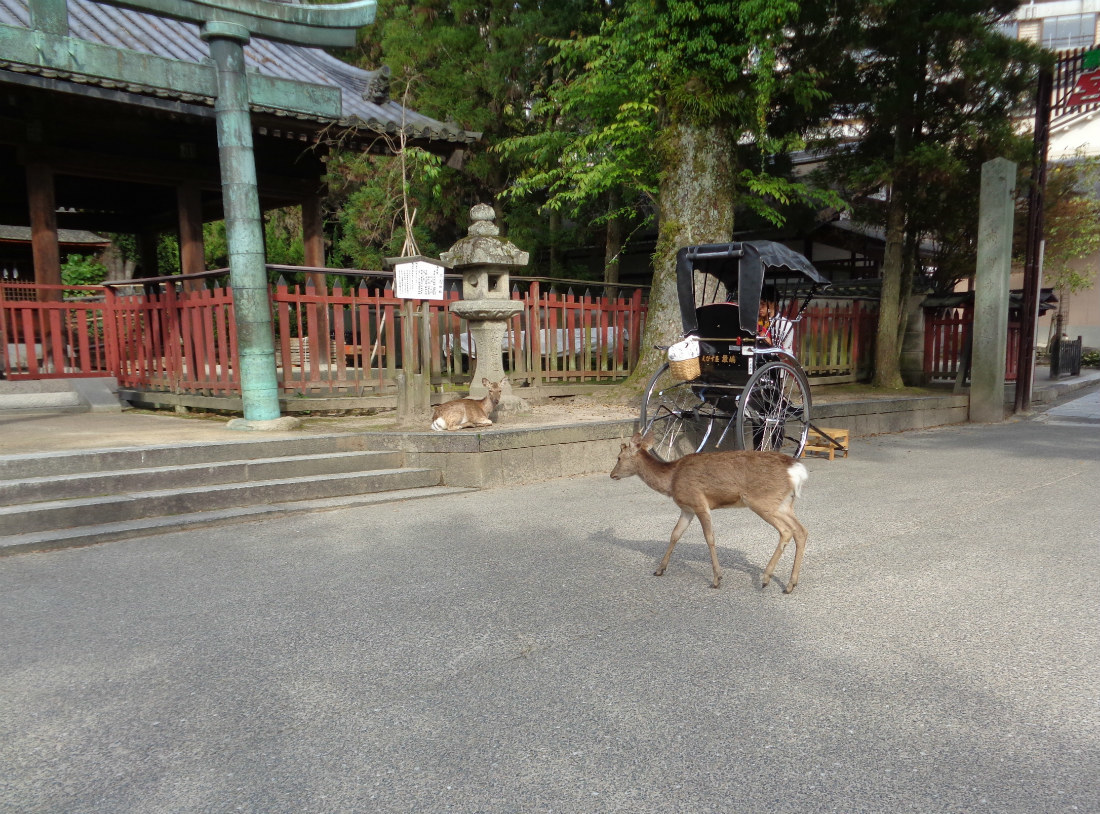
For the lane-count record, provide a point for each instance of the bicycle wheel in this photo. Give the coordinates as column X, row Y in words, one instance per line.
column 774, row 410
column 683, row 416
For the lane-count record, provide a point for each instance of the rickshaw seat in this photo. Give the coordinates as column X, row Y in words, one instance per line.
column 721, row 320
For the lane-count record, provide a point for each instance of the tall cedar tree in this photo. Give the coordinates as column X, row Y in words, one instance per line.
column 931, row 88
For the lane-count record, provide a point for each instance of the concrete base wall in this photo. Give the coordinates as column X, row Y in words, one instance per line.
column 61, row 395
column 500, row 457
column 874, row 416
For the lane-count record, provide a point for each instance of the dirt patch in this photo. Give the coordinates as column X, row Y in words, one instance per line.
column 543, row 413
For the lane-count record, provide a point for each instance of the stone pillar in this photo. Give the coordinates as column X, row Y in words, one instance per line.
column 484, row 259
column 912, row 343
column 990, row 331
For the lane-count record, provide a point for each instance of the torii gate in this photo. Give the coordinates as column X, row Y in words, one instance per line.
column 227, row 25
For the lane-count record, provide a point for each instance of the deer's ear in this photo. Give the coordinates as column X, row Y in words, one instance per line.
column 646, row 441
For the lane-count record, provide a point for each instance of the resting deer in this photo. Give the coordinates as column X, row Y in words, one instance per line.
column 766, row 482
column 462, row 413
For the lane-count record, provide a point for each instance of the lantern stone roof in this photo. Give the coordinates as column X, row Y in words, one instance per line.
column 366, row 105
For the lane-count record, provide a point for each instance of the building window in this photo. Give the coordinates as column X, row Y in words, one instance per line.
column 1069, row 31
column 1009, row 28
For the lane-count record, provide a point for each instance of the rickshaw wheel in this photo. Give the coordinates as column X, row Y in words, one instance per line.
column 680, row 417
column 773, row 412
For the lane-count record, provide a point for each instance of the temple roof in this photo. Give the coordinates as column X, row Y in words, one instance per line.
column 364, row 94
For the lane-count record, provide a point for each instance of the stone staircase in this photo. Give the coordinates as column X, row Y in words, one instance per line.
column 67, row 499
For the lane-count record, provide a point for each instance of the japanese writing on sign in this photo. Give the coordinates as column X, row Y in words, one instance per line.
column 1087, row 89
column 418, row 280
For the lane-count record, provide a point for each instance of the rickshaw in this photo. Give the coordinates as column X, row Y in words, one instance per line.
column 745, row 388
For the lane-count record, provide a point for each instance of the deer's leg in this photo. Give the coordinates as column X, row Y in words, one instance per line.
column 780, row 523
column 708, row 532
column 677, row 533
column 800, row 536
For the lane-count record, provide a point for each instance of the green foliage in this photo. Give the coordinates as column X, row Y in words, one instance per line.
column 479, row 64
column 82, row 269
column 367, row 195
column 283, row 241
column 1090, row 358
column 1071, row 214
column 652, row 67
column 934, row 87
column 215, row 244
column 168, row 255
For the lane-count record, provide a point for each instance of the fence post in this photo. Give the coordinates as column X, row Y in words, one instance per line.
column 534, row 332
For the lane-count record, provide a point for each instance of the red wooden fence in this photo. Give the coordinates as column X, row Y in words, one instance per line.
column 946, row 333
column 837, row 338
column 353, row 340
column 44, row 337
column 158, row 338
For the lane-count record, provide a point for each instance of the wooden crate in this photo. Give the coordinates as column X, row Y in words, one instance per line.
column 816, row 441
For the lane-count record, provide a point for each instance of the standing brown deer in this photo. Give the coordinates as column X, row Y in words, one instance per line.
column 461, row 413
column 766, row 482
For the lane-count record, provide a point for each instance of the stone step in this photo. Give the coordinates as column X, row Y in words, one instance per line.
column 85, row 535
column 61, row 514
column 31, row 465
column 82, row 484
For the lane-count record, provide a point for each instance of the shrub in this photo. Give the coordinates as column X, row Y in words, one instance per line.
column 82, row 269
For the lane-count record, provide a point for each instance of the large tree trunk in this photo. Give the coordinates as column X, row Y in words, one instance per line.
column 695, row 206
column 887, row 349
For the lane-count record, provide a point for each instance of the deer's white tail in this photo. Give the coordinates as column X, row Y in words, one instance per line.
column 798, row 475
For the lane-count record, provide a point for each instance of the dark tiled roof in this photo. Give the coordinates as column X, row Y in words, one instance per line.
column 122, row 28
column 75, row 237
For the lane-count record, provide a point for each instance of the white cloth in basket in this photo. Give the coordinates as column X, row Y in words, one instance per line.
column 684, row 350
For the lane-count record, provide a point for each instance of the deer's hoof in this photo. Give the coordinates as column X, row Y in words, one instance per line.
column 659, row 572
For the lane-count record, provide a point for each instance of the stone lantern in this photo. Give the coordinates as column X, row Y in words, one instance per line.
column 484, row 260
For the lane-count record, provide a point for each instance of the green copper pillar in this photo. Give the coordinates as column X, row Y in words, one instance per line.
column 241, row 198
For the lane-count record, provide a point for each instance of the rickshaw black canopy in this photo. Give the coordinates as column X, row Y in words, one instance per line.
column 740, row 267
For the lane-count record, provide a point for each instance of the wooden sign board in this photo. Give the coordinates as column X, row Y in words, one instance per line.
column 417, row 279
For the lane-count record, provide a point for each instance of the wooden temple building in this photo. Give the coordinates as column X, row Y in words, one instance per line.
column 107, row 124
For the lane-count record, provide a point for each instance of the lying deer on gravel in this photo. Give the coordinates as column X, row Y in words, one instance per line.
column 766, row 482
column 462, row 413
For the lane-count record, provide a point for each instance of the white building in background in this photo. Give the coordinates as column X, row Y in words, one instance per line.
column 1064, row 25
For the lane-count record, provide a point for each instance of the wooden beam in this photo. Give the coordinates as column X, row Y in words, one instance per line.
column 147, row 253
column 92, row 164
column 43, row 212
column 192, row 258
column 313, row 238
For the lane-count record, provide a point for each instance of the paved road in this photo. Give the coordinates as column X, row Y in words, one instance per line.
column 509, row 650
